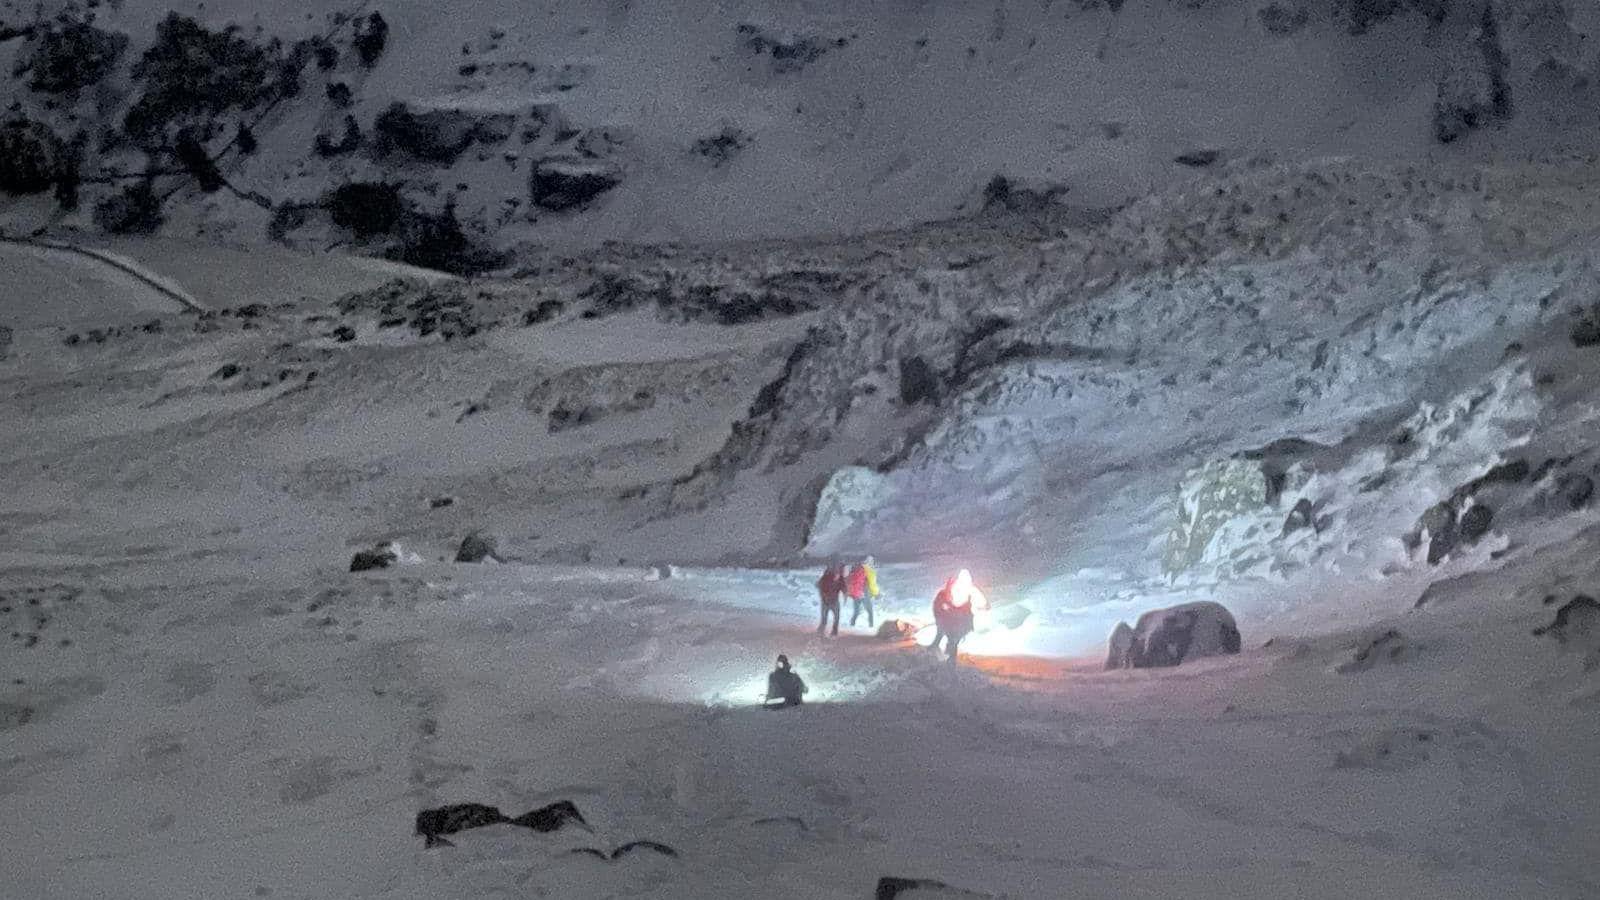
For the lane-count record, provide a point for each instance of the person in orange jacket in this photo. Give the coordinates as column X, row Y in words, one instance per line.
column 954, row 611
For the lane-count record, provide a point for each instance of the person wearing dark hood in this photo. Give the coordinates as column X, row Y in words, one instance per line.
column 784, row 685
column 829, row 587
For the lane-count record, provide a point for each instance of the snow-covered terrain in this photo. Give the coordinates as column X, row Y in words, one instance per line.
column 1106, row 416
column 1286, row 306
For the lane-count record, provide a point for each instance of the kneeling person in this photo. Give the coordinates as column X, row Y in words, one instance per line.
column 784, row 684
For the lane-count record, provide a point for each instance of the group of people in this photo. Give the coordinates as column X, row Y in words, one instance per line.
column 858, row 581
column 955, row 609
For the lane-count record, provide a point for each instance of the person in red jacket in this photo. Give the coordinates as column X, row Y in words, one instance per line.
column 954, row 611
column 829, row 586
column 861, row 584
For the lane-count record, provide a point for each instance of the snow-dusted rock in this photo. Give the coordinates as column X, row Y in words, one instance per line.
column 563, row 183
column 1578, row 620
column 1208, row 498
column 1178, row 634
column 849, row 498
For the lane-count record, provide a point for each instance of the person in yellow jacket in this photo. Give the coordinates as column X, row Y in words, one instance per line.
column 861, row 583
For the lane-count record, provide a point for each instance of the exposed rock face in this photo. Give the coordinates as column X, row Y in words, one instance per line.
column 438, row 136
column 848, row 499
column 563, row 183
column 1172, row 636
column 1207, row 499
column 31, row 156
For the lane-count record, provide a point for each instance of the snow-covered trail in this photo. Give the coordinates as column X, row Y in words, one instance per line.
column 275, row 735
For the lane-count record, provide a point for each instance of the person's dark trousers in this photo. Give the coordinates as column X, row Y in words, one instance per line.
column 823, row 625
column 955, row 641
column 856, row 608
column 938, row 636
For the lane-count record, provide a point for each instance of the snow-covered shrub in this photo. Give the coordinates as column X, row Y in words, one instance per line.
column 191, row 75
column 69, row 56
column 31, row 156
column 438, row 241
column 136, row 210
column 722, row 147
column 366, row 208
column 371, row 38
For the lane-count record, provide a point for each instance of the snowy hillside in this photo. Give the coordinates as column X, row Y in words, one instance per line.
column 1285, row 306
column 569, row 123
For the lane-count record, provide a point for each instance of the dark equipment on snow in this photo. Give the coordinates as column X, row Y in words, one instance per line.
column 432, row 824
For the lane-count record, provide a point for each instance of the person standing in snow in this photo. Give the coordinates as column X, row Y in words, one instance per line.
column 954, row 611
column 785, row 684
column 861, row 583
column 829, row 586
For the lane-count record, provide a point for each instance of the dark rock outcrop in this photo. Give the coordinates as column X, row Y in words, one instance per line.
column 379, row 557
column 1178, row 634
column 918, row 381
column 477, row 547
column 1577, row 489
column 1475, row 522
column 31, row 156
column 1578, row 619
column 437, row 135
column 563, row 183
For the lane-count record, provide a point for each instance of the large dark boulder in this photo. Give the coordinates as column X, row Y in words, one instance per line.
column 563, row 183
column 1169, row 637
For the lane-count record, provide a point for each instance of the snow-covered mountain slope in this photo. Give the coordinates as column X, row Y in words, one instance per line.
column 569, row 123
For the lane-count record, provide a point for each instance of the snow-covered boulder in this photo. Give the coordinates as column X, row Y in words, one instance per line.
column 1178, row 634
column 562, row 183
column 1577, row 621
column 851, row 495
